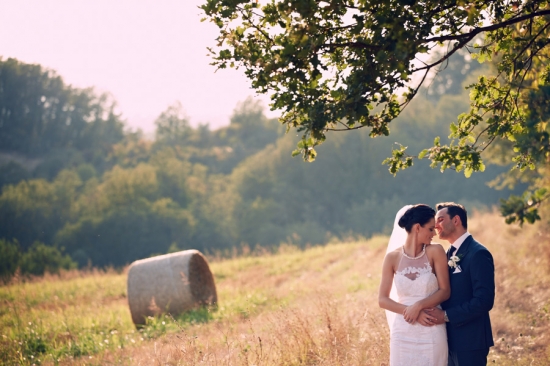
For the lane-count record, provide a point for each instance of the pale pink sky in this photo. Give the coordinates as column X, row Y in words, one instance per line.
column 147, row 54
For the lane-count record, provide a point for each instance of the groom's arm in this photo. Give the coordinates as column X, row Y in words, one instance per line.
column 482, row 276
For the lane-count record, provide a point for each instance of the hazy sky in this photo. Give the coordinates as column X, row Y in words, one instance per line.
column 147, row 54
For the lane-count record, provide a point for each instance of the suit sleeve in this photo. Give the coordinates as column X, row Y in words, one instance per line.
column 482, row 276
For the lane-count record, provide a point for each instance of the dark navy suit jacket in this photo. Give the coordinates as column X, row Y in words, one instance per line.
column 472, row 296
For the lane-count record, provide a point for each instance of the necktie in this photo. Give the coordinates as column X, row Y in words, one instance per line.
column 452, row 251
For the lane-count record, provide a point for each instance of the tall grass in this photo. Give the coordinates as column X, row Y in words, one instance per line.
column 521, row 314
column 295, row 307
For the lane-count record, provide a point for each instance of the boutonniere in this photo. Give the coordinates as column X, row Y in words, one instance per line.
column 453, row 262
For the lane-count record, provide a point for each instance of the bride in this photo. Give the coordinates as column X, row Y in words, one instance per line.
column 415, row 276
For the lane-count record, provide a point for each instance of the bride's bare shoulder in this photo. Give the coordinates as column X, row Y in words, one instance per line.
column 434, row 248
column 394, row 255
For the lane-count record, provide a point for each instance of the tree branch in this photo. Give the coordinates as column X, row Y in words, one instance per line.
column 352, row 45
column 490, row 28
column 456, row 48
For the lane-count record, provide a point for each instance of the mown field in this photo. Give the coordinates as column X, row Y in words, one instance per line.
column 312, row 307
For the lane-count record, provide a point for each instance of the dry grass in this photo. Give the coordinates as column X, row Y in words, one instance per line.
column 520, row 317
column 327, row 332
column 320, row 315
column 312, row 307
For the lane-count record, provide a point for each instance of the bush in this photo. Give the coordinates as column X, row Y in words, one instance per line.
column 9, row 259
column 41, row 258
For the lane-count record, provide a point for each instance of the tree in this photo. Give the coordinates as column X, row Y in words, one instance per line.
column 249, row 132
column 173, row 126
column 12, row 173
column 9, row 260
column 39, row 113
column 342, row 65
column 35, row 210
column 250, row 129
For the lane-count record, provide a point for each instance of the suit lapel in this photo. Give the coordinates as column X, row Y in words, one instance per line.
column 464, row 247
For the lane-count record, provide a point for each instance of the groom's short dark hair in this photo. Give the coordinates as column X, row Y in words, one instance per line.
column 455, row 209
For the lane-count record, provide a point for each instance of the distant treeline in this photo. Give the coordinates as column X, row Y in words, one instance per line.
column 75, row 180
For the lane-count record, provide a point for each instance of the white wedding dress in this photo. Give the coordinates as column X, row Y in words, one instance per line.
column 415, row 344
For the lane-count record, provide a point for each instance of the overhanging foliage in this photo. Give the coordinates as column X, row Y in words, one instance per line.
column 341, row 65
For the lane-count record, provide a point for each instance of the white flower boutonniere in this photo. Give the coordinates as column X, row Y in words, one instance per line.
column 453, row 261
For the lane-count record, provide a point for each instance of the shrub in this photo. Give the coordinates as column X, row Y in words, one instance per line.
column 41, row 258
column 9, row 259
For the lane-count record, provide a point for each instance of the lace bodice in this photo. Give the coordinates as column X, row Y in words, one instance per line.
column 414, row 279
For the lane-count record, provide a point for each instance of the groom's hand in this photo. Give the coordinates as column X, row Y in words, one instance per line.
column 437, row 315
column 425, row 319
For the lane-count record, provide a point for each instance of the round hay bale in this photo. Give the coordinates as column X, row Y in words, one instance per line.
column 171, row 283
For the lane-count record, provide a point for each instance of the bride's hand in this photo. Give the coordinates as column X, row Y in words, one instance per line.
column 411, row 313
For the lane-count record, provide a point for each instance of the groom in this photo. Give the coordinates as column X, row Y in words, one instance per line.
column 472, row 276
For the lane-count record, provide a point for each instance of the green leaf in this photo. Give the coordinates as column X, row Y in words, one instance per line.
column 311, row 154
column 453, row 128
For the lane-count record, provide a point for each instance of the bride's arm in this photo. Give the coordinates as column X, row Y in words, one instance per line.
column 384, row 300
column 443, row 293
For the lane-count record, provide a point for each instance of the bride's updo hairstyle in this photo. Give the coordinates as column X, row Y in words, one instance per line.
column 418, row 214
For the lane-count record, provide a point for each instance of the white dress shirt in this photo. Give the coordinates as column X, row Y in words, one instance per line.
column 458, row 242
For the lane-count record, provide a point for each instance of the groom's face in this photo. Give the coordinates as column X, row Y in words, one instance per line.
column 443, row 224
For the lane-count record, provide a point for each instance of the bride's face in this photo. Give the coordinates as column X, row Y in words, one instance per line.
column 426, row 232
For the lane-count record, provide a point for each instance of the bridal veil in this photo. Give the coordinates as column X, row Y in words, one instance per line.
column 397, row 239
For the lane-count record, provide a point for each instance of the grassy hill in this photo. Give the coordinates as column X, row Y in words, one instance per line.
column 312, row 307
